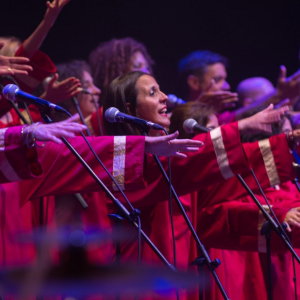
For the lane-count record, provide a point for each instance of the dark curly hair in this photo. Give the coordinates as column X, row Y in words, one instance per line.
column 111, row 59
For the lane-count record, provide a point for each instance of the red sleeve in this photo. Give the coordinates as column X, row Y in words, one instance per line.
column 271, row 161
column 17, row 161
column 42, row 67
column 123, row 157
column 220, row 158
column 236, row 225
column 227, row 220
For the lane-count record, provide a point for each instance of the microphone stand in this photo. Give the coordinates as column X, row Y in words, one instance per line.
column 76, row 103
column 115, row 217
column 205, row 259
column 124, row 212
column 266, row 230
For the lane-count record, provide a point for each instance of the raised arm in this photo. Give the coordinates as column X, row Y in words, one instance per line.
column 287, row 88
column 34, row 42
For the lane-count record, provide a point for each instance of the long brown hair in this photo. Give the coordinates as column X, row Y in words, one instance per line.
column 194, row 110
column 122, row 91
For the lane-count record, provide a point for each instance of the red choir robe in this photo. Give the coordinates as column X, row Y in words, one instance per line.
column 230, row 220
column 221, row 157
column 157, row 190
column 160, row 227
column 244, row 273
column 62, row 173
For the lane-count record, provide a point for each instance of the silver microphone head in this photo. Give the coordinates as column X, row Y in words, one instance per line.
column 84, row 91
column 9, row 92
column 188, row 125
column 46, row 82
column 110, row 114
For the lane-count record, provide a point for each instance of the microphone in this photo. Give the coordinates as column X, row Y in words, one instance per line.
column 113, row 115
column 48, row 79
column 191, row 126
column 173, row 101
column 13, row 93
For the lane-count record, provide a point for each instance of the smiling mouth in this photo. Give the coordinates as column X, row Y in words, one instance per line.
column 163, row 111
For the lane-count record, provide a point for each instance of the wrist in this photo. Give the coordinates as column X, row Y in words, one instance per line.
column 242, row 125
column 29, row 135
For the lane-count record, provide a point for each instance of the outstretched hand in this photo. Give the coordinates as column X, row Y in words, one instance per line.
column 288, row 87
column 53, row 10
column 292, row 218
column 218, row 99
column 57, row 92
column 169, row 145
column 262, row 121
column 13, row 65
column 52, row 132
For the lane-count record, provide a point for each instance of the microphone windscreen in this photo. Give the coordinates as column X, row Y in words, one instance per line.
column 110, row 114
column 188, row 125
column 9, row 92
column 173, row 101
column 172, row 98
column 46, row 82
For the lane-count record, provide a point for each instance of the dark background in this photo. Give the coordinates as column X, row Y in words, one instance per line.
column 256, row 36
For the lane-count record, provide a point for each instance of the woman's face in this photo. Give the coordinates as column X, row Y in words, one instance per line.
column 138, row 62
column 286, row 125
column 212, row 122
column 86, row 102
column 151, row 103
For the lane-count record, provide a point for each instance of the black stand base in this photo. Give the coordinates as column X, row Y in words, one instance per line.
column 200, row 263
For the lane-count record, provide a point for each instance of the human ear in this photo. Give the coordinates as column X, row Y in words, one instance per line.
column 193, row 82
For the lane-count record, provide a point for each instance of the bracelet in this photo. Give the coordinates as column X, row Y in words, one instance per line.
column 291, row 140
column 22, row 133
column 30, row 135
column 34, row 138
